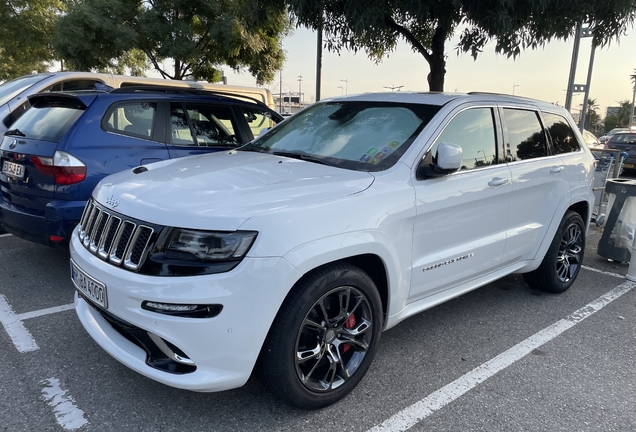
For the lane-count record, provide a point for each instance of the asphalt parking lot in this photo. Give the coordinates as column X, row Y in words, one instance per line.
column 501, row 358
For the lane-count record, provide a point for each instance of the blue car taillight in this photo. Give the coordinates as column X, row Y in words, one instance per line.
column 64, row 167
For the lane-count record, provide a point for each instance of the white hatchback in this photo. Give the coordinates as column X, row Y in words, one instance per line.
column 294, row 252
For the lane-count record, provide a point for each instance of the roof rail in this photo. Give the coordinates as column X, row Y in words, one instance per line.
column 184, row 90
column 505, row 95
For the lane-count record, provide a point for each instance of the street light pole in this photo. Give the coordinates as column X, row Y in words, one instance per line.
column 394, row 87
column 513, row 88
column 300, row 93
column 346, row 85
column 341, row 90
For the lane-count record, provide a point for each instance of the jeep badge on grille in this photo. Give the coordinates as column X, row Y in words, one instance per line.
column 112, row 201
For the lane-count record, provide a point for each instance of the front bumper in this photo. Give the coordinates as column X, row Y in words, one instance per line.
column 223, row 349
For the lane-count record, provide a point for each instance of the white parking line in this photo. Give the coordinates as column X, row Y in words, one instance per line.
column 417, row 412
column 5, row 235
column 20, row 336
column 42, row 312
column 618, row 275
column 14, row 327
column 68, row 415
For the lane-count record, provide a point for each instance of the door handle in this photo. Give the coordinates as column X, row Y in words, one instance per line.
column 556, row 169
column 498, row 181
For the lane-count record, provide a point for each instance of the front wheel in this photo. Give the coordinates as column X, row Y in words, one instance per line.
column 324, row 337
column 563, row 260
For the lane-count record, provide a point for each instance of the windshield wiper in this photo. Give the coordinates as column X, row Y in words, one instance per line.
column 301, row 156
column 15, row 132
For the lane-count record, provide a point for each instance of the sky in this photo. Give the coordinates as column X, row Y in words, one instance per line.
column 540, row 74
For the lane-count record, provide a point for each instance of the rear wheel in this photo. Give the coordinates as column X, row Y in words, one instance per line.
column 563, row 260
column 324, row 338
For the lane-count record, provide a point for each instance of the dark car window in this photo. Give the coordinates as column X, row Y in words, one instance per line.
column 47, row 123
column 258, row 119
column 526, row 138
column 134, row 118
column 474, row 131
column 213, row 125
column 623, row 138
column 563, row 138
column 71, row 85
column 180, row 132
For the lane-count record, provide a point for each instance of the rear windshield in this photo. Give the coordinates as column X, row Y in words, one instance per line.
column 363, row 136
column 47, row 123
column 12, row 88
column 624, row 139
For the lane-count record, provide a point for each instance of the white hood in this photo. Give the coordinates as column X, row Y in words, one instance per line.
column 220, row 191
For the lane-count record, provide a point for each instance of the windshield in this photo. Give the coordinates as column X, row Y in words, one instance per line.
column 12, row 88
column 45, row 122
column 364, row 136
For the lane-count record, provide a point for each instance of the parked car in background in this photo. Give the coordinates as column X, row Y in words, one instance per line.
column 608, row 135
column 626, row 143
column 61, row 147
column 14, row 94
column 297, row 250
column 592, row 142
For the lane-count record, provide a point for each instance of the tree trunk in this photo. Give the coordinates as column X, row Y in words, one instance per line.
column 177, row 69
column 436, row 60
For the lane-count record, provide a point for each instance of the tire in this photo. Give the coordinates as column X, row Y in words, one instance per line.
column 562, row 262
column 316, row 353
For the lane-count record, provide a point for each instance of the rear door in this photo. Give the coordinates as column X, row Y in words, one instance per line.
column 539, row 181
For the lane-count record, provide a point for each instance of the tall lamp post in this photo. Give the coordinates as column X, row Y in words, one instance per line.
column 513, row 88
column 341, row 90
column 300, row 93
column 631, row 117
column 346, row 85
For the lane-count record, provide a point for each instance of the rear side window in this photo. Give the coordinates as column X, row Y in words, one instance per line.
column 47, row 123
column 563, row 138
column 71, row 85
column 135, row 119
column 526, row 138
column 624, row 139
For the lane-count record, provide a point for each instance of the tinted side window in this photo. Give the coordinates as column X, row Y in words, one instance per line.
column 213, row 125
column 474, row 131
column 563, row 138
column 258, row 120
column 526, row 138
column 77, row 84
column 131, row 118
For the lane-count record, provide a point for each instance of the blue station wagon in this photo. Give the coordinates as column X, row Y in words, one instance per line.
column 61, row 147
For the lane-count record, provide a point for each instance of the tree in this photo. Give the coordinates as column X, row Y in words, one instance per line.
column 610, row 122
column 198, row 35
column 622, row 116
column 25, row 35
column 592, row 118
column 631, row 116
column 376, row 26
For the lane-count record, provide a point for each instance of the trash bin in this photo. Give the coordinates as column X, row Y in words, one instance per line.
column 620, row 228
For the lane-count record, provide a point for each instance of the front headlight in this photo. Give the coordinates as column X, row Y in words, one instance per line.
column 209, row 246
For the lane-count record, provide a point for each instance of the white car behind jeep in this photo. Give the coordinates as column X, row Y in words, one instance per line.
column 293, row 253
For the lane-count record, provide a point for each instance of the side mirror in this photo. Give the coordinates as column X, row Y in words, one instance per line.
column 448, row 160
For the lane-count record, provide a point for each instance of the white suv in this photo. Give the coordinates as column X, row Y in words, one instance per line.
column 294, row 252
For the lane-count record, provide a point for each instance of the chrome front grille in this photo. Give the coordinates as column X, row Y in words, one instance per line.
column 112, row 237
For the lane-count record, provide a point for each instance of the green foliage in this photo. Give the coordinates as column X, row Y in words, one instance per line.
column 610, row 123
column 592, row 118
column 624, row 111
column 25, row 35
column 375, row 26
column 200, row 36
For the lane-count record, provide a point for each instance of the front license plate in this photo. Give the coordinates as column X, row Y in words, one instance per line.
column 90, row 287
column 630, row 166
column 13, row 169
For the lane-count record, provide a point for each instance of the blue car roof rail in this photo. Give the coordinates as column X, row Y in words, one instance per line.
column 187, row 91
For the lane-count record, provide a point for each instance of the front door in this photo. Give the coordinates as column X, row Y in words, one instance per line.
column 460, row 226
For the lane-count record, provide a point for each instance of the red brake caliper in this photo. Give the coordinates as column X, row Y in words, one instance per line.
column 350, row 323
